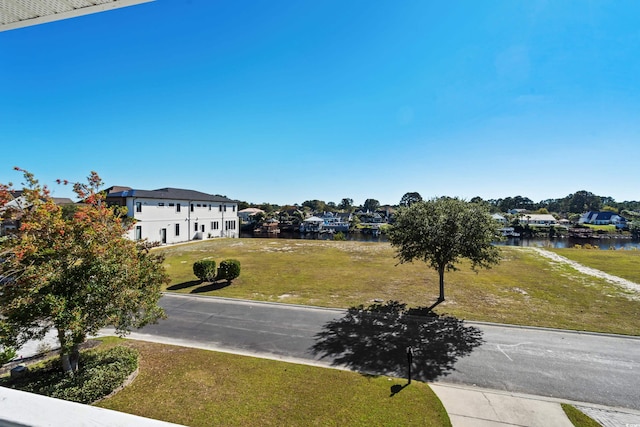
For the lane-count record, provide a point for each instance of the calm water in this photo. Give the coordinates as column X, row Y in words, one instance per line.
column 559, row 242
column 567, row 242
column 360, row 237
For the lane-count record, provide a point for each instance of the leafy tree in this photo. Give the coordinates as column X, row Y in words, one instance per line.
column 259, row 217
column 371, row 205
column 346, row 205
column 354, row 222
column 441, row 232
column 315, row 205
column 583, row 201
column 75, row 274
column 517, row 202
column 410, row 198
column 298, row 216
column 268, row 207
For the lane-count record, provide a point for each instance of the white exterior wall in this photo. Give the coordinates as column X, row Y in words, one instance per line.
column 154, row 218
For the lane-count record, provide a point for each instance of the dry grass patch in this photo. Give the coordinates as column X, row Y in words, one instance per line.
column 524, row 288
column 622, row 263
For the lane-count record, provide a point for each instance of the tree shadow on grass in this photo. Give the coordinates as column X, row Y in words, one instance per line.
column 213, row 286
column 183, row 285
column 375, row 339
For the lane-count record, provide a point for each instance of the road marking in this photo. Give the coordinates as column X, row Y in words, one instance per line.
column 510, row 345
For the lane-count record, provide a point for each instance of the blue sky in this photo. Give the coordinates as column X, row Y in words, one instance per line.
column 288, row 101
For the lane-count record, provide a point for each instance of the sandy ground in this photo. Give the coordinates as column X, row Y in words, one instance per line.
column 628, row 284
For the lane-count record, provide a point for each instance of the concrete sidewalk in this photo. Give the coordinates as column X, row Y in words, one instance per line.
column 477, row 407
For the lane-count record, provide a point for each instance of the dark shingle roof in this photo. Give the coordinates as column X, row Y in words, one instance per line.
column 171, row 193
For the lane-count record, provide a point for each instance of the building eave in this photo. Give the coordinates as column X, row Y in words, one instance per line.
column 23, row 13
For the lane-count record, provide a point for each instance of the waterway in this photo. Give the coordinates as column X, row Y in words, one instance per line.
column 605, row 243
column 556, row 242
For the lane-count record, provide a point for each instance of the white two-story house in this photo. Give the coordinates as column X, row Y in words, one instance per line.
column 174, row 215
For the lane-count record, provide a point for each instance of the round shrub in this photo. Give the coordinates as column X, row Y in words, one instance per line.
column 205, row 270
column 229, row 269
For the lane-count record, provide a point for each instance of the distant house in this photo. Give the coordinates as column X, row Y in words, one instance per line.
column 516, row 211
column 603, row 218
column 246, row 214
column 538, row 219
column 19, row 203
column 337, row 221
column 174, row 215
column 499, row 218
column 312, row 225
column 270, row 226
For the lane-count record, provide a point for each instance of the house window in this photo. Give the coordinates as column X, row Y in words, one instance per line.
column 199, row 205
column 177, row 229
column 192, row 207
column 230, row 225
column 138, row 232
column 220, row 208
column 171, row 205
column 178, row 207
column 233, row 208
column 215, row 225
column 209, row 207
column 225, row 208
column 195, row 226
column 202, row 228
column 138, row 206
column 160, row 204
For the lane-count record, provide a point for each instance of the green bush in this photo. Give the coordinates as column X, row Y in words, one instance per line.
column 205, row 270
column 100, row 373
column 229, row 269
column 6, row 354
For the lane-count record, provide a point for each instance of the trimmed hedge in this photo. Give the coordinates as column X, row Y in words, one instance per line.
column 229, row 269
column 100, row 373
column 205, row 270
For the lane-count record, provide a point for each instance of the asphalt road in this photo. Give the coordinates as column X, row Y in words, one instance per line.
column 592, row 368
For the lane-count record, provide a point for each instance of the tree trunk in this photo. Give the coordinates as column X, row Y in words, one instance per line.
column 75, row 357
column 66, row 363
column 441, row 297
column 69, row 353
column 65, row 357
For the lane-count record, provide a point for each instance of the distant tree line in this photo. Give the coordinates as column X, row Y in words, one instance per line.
column 576, row 203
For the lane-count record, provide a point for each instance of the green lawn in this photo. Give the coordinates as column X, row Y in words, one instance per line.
column 204, row 388
column 609, row 228
column 524, row 289
column 578, row 418
column 622, row 263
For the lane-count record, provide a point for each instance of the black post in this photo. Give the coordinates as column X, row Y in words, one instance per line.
column 409, row 361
